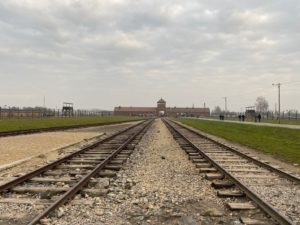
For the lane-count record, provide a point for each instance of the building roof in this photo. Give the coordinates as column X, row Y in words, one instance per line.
column 187, row 110
column 161, row 101
column 135, row 109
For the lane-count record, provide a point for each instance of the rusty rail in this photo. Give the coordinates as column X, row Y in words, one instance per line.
column 77, row 187
column 43, row 169
column 256, row 161
column 275, row 214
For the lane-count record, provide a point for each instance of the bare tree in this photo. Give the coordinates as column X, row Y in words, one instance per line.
column 217, row 110
column 261, row 104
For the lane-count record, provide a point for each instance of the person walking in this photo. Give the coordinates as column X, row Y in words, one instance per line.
column 259, row 118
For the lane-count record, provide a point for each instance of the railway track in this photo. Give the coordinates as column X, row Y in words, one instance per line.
column 240, row 177
column 49, row 129
column 79, row 172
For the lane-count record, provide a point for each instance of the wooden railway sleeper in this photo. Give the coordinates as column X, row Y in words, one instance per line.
column 236, row 193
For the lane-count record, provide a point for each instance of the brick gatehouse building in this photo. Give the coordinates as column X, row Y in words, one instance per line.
column 161, row 110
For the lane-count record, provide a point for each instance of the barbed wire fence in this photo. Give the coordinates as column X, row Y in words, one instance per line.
column 285, row 115
column 21, row 113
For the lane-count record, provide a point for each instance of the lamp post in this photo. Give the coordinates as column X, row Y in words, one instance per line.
column 278, row 85
column 225, row 105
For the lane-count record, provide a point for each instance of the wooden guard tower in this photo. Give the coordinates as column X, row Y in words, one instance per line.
column 67, row 109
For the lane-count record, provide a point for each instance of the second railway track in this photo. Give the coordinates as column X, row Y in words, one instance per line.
column 80, row 171
column 236, row 174
column 59, row 128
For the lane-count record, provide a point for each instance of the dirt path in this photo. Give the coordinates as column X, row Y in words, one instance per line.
column 19, row 147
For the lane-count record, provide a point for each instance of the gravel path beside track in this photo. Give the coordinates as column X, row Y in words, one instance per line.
column 19, row 147
column 158, row 185
column 290, row 126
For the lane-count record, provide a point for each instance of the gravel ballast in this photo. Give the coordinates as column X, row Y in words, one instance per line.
column 158, row 185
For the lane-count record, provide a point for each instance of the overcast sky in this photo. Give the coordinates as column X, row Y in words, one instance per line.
column 101, row 54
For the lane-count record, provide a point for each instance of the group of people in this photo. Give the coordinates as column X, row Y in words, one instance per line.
column 257, row 117
column 241, row 117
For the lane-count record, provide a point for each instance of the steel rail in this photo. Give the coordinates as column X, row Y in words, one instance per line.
column 275, row 214
column 77, row 187
column 43, row 169
column 256, row 161
column 49, row 129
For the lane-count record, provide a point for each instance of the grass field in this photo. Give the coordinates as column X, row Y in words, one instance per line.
column 25, row 124
column 282, row 121
column 281, row 142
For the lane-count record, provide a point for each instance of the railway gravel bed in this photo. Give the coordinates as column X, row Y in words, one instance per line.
column 158, row 185
column 35, row 195
column 45, row 158
column 280, row 192
column 284, row 196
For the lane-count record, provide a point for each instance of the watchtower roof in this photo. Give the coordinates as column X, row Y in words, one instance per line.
column 161, row 101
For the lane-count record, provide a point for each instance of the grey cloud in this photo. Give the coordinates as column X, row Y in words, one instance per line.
column 106, row 53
